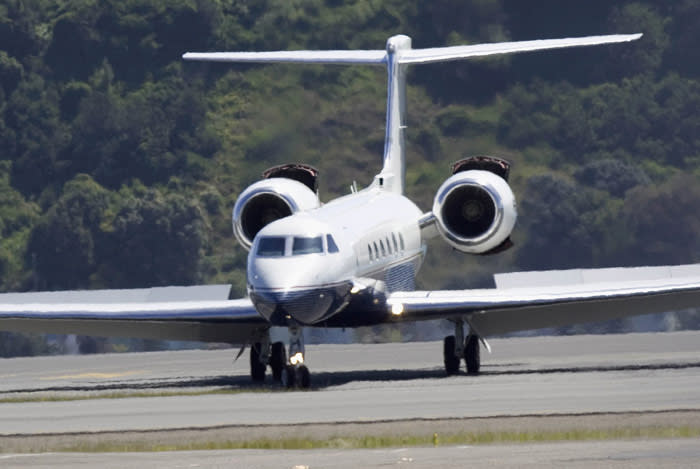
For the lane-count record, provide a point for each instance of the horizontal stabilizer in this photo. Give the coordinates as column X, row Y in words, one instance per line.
column 444, row 54
column 406, row 55
column 347, row 57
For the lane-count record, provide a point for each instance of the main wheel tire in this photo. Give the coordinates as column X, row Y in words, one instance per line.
column 303, row 377
column 472, row 354
column 451, row 360
column 278, row 360
column 257, row 369
column 289, row 377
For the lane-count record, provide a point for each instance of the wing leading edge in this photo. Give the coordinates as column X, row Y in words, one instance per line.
column 503, row 310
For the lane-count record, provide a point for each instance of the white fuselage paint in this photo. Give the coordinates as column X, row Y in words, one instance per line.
column 375, row 230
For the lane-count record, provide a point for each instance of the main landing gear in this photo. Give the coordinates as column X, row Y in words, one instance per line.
column 457, row 347
column 289, row 371
column 262, row 354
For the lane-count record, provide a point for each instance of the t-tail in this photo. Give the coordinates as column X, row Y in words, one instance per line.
column 396, row 57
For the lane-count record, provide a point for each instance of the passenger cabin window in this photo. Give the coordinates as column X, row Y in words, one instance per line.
column 376, row 250
column 381, row 244
column 369, row 251
column 388, row 245
column 332, row 247
column 401, row 241
column 271, row 247
column 302, row 246
column 396, row 246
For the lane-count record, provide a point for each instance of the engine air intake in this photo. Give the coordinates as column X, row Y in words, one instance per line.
column 468, row 211
column 266, row 201
column 261, row 210
column 475, row 211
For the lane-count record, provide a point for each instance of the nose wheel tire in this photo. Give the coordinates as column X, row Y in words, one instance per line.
column 303, row 377
column 296, row 377
column 451, row 360
column 288, row 377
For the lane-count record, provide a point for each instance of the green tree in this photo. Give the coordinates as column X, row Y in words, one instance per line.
column 663, row 224
column 647, row 54
column 685, row 35
column 157, row 240
column 555, row 217
column 22, row 345
column 17, row 217
column 613, row 176
column 64, row 245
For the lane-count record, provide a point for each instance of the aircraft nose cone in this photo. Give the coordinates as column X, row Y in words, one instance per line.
column 308, row 306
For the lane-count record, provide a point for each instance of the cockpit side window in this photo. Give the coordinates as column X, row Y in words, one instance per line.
column 307, row 245
column 272, row 246
column 332, row 247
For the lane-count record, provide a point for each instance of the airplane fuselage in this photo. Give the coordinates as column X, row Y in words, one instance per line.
column 308, row 266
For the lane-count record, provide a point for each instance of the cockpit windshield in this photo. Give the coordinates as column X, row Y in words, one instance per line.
column 271, row 247
column 276, row 246
column 332, row 247
column 307, row 245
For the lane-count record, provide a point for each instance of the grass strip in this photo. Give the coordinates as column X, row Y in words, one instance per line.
column 388, row 441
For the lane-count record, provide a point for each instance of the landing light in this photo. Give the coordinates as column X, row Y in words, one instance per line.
column 397, row 309
column 296, row 359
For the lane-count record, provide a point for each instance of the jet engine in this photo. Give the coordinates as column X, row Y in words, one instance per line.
column 475, row 209
column 285, row 190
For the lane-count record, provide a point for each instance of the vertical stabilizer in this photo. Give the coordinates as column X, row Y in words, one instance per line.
column 393, row 171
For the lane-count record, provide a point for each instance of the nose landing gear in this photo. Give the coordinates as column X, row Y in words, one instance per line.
column 290, row 371
column 296, row 374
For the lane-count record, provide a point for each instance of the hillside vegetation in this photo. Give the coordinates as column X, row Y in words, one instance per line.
column 120, row 163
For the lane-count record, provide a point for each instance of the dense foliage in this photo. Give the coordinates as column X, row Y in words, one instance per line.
column 119, row 163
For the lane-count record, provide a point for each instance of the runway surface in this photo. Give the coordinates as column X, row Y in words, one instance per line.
column 358, row 383
column 611, row 454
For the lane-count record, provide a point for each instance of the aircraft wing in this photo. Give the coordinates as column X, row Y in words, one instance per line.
column 168, row 313
column 534, row 300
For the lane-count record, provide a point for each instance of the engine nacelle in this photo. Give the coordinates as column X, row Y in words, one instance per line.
column 266, row 201
column 475, row 211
